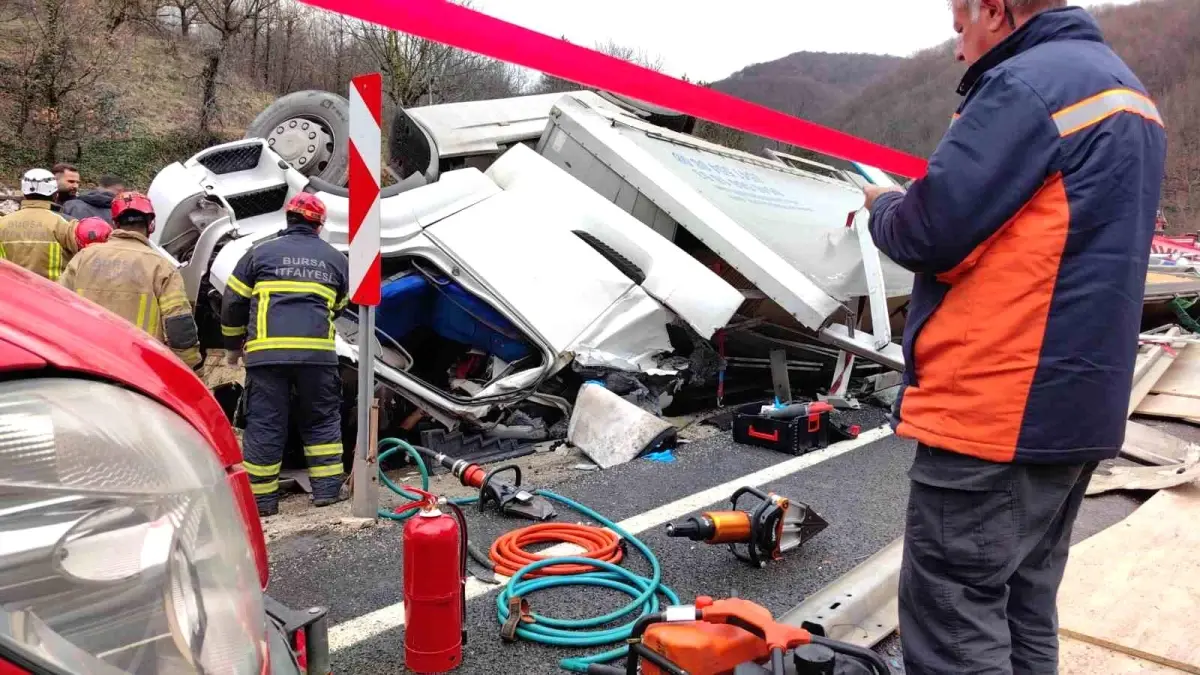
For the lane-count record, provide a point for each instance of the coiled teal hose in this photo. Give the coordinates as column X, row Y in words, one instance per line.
column 588, row 632
column 578, row 633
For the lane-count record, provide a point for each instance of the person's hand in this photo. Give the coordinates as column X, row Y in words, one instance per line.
column 232, row 357
column 873, row 191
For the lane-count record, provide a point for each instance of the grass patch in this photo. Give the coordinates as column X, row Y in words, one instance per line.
column 136, row 160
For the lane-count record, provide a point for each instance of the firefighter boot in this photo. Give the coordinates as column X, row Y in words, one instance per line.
column 267, row 507
column 340, row 493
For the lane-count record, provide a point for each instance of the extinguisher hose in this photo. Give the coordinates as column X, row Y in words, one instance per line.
column 462, row 572
column 393, row 446
column 596, row 631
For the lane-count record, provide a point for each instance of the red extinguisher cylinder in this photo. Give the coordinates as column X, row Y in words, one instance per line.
column 433, row 601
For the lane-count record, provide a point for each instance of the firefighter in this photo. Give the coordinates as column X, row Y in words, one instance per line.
column 34, row 236
column 128, row 277
column 293, row 286
column 92, row 230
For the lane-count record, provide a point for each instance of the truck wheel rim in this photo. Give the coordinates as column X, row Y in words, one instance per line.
column 304, row 143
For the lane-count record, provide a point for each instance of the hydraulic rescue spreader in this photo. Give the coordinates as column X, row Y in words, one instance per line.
column 776, row 525
column 509, row 499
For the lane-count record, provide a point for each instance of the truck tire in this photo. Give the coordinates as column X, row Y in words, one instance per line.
column 311, row 131
column 625, row 265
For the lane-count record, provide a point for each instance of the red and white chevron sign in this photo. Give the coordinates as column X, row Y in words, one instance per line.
column 366, row 115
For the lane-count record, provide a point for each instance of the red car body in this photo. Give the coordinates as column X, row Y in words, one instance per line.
column 44, row 326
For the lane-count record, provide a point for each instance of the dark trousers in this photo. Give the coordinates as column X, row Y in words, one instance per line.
column 985, row 547
column 314, row 395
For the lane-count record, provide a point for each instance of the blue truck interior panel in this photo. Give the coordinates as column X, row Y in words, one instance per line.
column 410, row 300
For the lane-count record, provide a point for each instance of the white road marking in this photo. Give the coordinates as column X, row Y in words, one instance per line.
column 361, row 628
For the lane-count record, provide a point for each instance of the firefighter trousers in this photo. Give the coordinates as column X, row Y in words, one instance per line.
column 274, row 393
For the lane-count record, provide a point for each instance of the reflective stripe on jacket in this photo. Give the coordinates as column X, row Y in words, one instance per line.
column 281, row 300
column 126, row 276
column 1030, row 238
column 38, row 239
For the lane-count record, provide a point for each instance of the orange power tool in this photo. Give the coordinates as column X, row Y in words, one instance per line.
column 776, row 525
column 727, row 637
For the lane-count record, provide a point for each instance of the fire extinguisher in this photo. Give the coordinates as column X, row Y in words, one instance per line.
column 435, row 575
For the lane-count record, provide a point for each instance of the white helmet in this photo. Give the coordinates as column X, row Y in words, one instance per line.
column 39, row 182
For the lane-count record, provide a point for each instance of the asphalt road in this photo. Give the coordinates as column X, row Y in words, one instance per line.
column 861, row 493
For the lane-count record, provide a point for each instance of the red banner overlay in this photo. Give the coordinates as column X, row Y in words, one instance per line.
column 457, row 26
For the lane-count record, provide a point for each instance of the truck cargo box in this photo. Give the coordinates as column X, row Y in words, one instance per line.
column 785, row 230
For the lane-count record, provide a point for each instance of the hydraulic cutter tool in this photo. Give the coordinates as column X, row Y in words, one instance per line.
column 776, row 525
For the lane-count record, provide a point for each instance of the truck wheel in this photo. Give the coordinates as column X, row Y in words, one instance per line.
column 625, row 265
column 310, row 130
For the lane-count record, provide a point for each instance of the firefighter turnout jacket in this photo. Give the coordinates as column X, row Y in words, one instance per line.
column 281, row 300
column 38, row 239
column 126, row 276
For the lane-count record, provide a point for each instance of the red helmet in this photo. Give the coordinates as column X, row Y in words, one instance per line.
column 130, row 203
column 91, row 230
column 308, row 206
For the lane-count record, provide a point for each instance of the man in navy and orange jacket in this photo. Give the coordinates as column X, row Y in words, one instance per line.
column 1029, row 237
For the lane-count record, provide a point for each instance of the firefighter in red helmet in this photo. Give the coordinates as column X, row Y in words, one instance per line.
column 128, row 277
column 294, row 285
column 92, row 230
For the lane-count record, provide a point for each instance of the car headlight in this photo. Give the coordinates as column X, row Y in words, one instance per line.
column 121, row 546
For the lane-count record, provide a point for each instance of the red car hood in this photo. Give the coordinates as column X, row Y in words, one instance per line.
column 45, row 324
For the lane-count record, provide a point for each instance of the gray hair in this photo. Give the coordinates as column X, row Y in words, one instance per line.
column 1017, row 6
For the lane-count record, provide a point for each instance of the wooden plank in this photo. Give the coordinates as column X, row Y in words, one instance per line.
column 1150, row 367
column 1182, row 378
column 1165, row 405
column 1153, row 446
column 1109, row 476
column 1135, row 587
column 1076, row 657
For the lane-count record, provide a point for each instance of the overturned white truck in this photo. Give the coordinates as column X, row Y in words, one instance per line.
column 532, row 233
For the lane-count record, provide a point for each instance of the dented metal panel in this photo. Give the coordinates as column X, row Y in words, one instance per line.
column 674, row 278
column 759, row 215
column 576, row 125
column 475, row 127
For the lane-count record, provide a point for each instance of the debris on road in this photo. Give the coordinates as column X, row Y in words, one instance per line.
column 1110, row 476
column 1172, row 383
column 1153, row 446
column 611, row 431
column 357, row 523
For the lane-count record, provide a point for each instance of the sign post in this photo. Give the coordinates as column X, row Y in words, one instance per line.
column 365, row 162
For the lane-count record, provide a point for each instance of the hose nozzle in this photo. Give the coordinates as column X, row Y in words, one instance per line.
column 696, row 528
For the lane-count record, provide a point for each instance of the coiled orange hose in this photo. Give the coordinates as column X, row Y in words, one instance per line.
column 508, row 553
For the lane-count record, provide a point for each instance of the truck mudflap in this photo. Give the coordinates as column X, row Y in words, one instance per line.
column 298, row 640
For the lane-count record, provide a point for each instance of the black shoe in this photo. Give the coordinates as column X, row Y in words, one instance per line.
column 269, row 510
